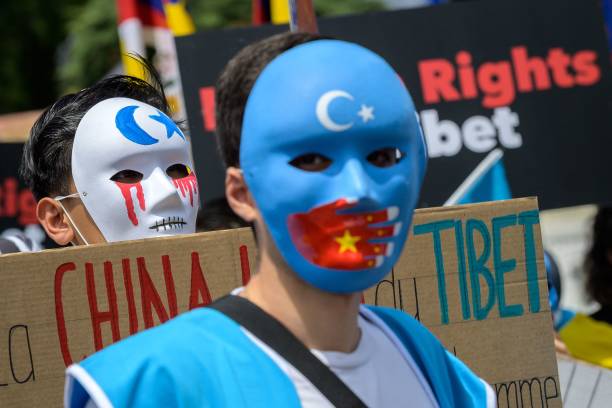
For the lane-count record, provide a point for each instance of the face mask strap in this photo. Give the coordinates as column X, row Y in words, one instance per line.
column 59, row 201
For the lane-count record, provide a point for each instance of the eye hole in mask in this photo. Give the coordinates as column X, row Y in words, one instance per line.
column 386, row 157
column 127, row 177
column 311, row 162
column 178, row 171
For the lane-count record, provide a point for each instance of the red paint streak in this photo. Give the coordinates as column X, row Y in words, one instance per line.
column 207, row 102
column 189, row 183
column 59, row 310
column 10, row 197
column 199, row 287
column 244, row 264
column 150, row 296
column 129, row 294
column 129, row 203
column 170, row 289
column 97, row 316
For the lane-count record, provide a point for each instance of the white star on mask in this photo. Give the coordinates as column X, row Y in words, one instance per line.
column 366, row 113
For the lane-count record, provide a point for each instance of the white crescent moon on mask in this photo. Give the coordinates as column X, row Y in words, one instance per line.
column 323, row 110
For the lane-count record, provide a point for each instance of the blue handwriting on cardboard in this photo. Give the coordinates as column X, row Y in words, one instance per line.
column 475, row 264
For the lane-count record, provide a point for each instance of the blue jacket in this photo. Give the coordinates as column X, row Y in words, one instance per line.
column 204, row 359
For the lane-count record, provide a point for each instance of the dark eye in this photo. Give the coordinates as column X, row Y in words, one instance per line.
column 127, row 177
column 177, row 171
column 311, row 162
column 386, row 157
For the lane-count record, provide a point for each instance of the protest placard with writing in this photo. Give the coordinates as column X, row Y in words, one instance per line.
column 483, row 75
column 473, row 274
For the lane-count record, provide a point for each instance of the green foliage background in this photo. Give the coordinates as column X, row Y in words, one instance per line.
column 49, row 48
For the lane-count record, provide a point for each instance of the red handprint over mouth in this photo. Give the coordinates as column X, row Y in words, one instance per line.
column 352, row 241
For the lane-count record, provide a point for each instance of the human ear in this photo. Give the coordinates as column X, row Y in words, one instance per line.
column 55, row 222
column 238, row 195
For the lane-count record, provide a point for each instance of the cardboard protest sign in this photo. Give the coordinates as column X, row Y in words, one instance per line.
column 584, row 385
column 477, row 280
column 58, row 306
column 483, row 74
column 473, row 274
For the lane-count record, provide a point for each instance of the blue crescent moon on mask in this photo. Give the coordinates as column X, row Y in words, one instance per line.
column 322, row 110
column 128, row 127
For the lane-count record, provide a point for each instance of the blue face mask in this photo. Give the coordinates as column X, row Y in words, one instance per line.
column 334, row 156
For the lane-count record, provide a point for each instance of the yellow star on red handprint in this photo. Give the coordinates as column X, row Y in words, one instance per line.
column 347, row 242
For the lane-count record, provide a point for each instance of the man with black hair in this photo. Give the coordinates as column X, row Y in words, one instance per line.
column 108, row 164
column 325, row 156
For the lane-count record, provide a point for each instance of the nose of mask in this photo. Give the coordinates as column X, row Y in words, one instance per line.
column 356, row 183
column 166, row 194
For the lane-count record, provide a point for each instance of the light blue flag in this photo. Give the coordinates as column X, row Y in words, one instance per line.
column 486, row 183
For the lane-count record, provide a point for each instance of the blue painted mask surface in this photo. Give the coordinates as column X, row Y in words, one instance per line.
column 334, row 156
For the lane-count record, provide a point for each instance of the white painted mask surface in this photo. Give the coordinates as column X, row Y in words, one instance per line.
column 132, row 168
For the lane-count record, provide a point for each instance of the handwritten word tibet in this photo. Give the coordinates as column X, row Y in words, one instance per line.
column 474, row 265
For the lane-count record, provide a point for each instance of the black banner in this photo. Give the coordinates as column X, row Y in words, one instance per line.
column 530, row 77
column 17, row 204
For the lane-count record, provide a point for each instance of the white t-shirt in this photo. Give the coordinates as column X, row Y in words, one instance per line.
column 380, row 372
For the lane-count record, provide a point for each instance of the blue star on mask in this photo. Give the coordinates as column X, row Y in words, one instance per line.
column 171, row 127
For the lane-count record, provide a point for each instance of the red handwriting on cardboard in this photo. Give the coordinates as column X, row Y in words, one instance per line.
column 244, row 264
column 129, row 291
column 199, row 288
column 59, row 310
column 97, row 316
column 151, row 301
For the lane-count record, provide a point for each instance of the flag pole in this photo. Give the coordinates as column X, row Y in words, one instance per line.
column 493, row 157
column 302, row 16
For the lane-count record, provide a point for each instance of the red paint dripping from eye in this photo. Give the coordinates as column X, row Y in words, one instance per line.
column 187, row 184
column 129, row 203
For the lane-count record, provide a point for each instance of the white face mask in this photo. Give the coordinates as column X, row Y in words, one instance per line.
column 132, row 168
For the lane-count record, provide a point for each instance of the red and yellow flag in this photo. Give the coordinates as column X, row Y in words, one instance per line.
column 148, row 28
column 270, row 11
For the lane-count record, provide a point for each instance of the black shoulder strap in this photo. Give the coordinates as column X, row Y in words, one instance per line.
column 278, row 338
